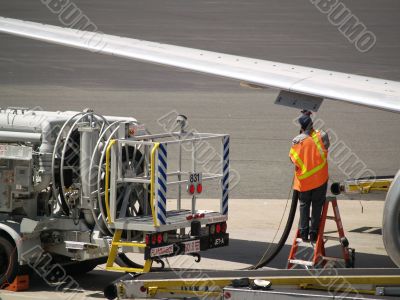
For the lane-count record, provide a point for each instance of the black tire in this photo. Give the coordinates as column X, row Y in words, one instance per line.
column 8, row 262
column 391, row 221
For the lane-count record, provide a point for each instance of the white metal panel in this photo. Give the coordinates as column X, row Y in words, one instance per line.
column 297, row 100
column 368, row 91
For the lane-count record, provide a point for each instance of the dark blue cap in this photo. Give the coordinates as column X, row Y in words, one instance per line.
column 305, row 121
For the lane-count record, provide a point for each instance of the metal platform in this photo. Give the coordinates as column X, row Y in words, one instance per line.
column 293, row 294
column 211, row 283
column 175, row 219
column 274, row 273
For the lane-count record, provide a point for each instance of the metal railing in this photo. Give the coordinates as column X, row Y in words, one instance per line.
column 156, row 176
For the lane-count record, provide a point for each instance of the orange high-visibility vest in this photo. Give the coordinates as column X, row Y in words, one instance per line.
column 311, row 160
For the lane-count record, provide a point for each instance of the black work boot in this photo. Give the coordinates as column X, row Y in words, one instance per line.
column 313, row 237
column 304, row 236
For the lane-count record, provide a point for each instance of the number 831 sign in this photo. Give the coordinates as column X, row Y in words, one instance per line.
column 195, row 183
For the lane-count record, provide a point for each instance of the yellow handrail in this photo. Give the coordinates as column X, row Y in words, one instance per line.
column 152, row 181
column 107, row 179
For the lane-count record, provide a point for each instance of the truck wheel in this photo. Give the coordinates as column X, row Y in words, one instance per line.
column 8, row 262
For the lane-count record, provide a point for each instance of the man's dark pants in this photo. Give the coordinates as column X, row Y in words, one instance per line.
column 315, row 198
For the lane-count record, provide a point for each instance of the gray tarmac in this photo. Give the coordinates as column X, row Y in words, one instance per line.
column 59, row 78
column 36, row 74
column 246, row 246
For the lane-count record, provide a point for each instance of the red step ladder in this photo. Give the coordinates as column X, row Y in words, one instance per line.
column 319, row 258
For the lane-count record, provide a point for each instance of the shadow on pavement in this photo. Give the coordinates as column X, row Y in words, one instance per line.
column 239, row 251
column 249, row 252
column 93, row 281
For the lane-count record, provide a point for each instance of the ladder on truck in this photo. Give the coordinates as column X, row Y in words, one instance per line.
column 162, row 230
column 319, row 258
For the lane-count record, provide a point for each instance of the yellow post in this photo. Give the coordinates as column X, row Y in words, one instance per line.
column 147, row 265
column 114, row 248
column 107, row 180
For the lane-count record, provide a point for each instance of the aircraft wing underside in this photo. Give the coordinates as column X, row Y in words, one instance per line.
column 367, row 91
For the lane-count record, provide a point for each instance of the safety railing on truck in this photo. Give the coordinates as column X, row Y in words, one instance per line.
column 157, row 179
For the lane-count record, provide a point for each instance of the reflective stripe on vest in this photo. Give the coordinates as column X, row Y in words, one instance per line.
column 318, row 144
column 298, row 160
column 305, row 174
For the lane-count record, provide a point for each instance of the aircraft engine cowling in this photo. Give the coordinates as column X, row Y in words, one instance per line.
column 391, row 221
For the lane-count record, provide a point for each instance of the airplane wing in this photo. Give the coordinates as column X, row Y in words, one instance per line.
column 361, row 90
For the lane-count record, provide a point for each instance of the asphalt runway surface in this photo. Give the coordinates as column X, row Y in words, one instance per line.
column 58, row 78
column 37, row 74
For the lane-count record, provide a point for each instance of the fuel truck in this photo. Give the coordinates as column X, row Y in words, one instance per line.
column 80, row 189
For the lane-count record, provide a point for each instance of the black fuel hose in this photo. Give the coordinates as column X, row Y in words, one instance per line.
column 123, row 261
column 268, row 257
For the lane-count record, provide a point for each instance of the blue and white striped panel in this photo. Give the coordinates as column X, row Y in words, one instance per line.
column 162, row 184
column 225, row 176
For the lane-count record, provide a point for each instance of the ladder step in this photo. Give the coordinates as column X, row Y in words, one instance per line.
column 131, row 244
column 329, row 258
column 125, row 269
column 319, row 248
column 301, row 262
column 332, row 238
column 300, row 241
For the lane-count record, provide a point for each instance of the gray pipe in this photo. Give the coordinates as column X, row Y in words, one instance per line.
column 16, row 136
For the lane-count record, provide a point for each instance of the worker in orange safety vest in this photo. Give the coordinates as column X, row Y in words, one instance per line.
column 309, row 154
